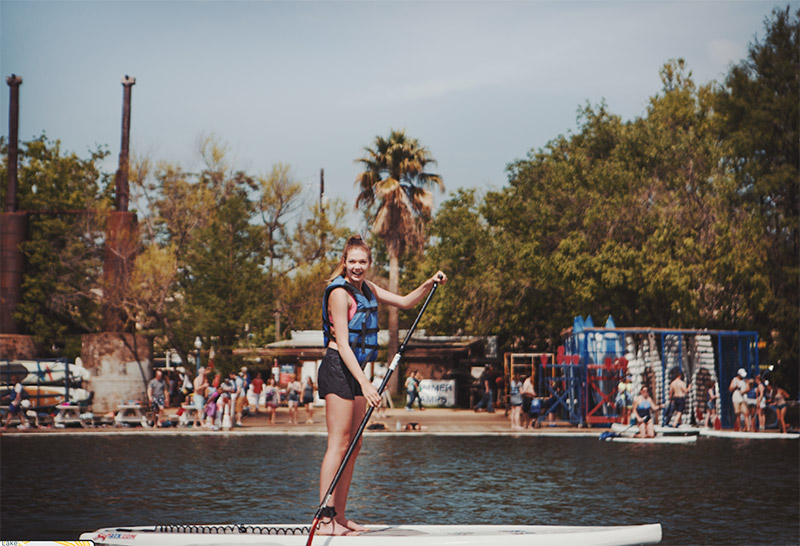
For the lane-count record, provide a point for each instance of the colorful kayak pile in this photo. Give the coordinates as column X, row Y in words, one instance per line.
column 45, row 383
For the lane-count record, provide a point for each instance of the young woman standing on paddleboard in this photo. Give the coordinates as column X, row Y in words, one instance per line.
column 350, row 326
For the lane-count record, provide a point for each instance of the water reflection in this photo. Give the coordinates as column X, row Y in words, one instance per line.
column 716, row 492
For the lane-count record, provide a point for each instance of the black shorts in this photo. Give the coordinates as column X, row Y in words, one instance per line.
column 526, row 403
column 333, row 377
column 678, row 405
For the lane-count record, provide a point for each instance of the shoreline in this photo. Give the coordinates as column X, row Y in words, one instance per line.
column 433, row 421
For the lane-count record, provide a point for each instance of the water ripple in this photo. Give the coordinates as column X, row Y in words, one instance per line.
column 715, row 492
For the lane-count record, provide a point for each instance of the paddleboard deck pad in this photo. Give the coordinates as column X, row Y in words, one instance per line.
column 410, row 535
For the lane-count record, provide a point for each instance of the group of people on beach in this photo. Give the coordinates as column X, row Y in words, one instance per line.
column 220, row 402
column 750, row 399
column 525, row 407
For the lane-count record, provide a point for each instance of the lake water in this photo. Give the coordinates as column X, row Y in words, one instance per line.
column 718, row 491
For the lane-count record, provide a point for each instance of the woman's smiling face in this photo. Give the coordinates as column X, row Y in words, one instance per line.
column 356, row 265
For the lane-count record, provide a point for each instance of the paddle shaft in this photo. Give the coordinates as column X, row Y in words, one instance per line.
column 365, row 420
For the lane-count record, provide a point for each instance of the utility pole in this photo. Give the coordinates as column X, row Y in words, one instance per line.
column 322, row 189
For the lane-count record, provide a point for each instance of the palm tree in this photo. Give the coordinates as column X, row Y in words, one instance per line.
column 397, row 202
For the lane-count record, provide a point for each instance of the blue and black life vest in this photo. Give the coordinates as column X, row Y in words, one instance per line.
column 364, row 324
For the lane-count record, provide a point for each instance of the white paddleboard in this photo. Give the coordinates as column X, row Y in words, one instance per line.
column 405, row 535
column 744, row 435
column 656, row 440
column 682, row 430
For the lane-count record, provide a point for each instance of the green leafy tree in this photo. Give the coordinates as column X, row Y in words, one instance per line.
column 174, row 209
column 633, row 219
column 396, row 200
column 223, row 275
column 466, row 251
column 759, row 114
column 67, row 198
column 219, row 253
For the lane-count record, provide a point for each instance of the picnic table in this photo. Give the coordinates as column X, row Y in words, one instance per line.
column 130, row 414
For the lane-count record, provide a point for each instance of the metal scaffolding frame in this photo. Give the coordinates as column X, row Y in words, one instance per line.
column 604, row 357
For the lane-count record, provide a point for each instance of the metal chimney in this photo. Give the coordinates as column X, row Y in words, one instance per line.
column 13, row 224
column 123, row 191
column 121, row 230
column 14, row 82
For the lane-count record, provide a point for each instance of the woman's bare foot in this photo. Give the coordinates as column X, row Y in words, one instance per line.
column 352, row 525
column 332, row 528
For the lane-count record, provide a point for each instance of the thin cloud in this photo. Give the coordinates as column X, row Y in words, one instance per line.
column 725, row 52
column 437, row 87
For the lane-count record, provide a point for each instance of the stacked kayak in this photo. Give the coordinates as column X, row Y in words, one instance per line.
column 41, row 372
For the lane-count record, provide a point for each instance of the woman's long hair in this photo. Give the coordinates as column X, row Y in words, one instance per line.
column 354, row 241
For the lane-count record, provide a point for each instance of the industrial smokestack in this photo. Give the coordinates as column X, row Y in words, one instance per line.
column 122, row 189
column 121, row 230
column 14, row 82
column 13, row 224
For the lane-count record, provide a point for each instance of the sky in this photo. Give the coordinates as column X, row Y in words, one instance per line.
column 311, row 83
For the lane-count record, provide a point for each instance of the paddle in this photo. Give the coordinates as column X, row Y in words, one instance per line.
column 370, row 409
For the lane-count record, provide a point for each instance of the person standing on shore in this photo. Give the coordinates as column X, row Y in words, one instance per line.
column 157, row 396
column 199, row 395
column 711, row 405
column 293, row 398
column 417, row 376
column 487, row 400
column 677, row 395
column 258, row 388
column 411, row 391
column 272, row 399
column 239, row 395
column 780, row 397
column 624, row 398
column 737, row 389
column 350, row 327
column 528, row 393
column 761, row 402
column 15, row 406
column 515, row 401
column 308, row 399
